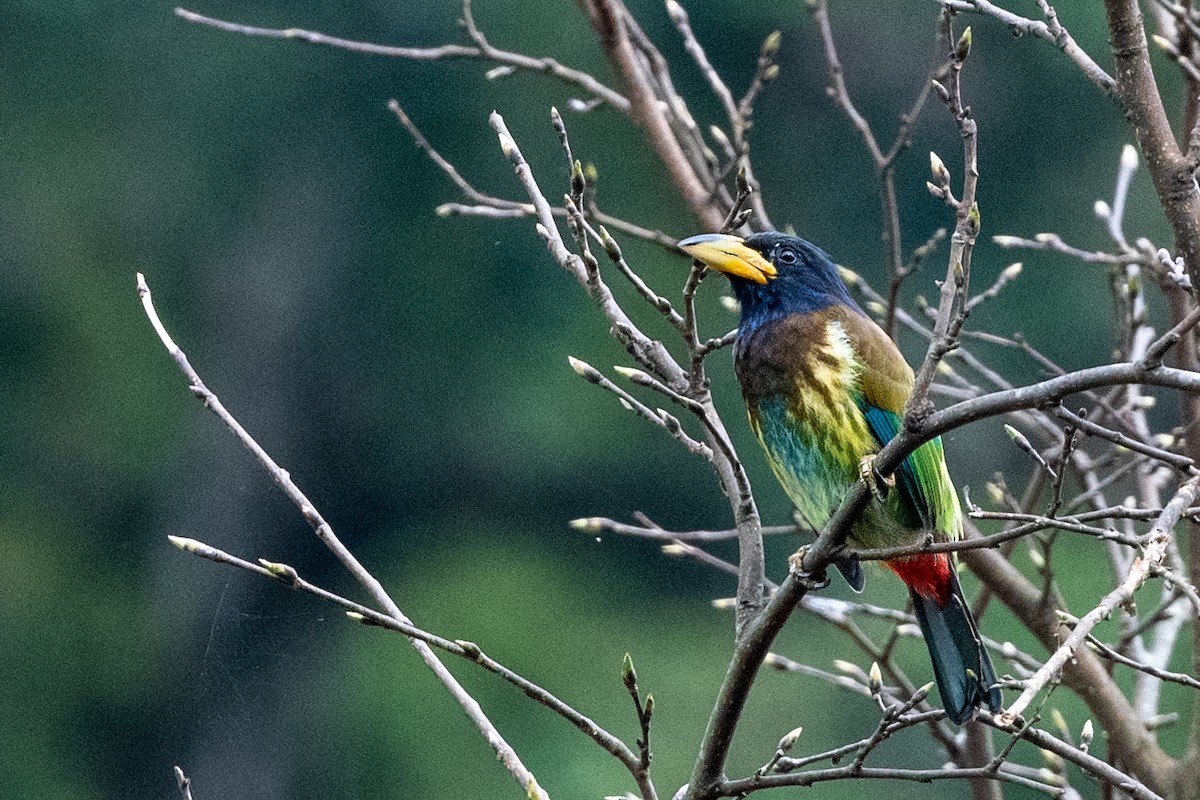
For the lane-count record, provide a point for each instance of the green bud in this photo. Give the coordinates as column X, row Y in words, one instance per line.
column 670, row 421
column 635, row 375
column 628, row 674
column 1049, row 776
column 280, row 570
column 938, row 168
column 973, row 219
column 1085, row 738
column 789, row 739
column 584, row 369
column 507, row 145
column 1016, row 436
column 771, row 44
column 470, row 649
column 1036, row 557
column 719, row 136
column 963, row 48
column 577, row 184
column 610, row 244
column 183, row 543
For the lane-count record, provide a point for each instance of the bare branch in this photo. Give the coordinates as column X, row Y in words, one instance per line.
column 962, row 242
column 1153, row 555
column 325, row 533
column 613, row 23
column 1051, row 30
column 184, row 783
column 468, row 651
column 655, row 357
column 1112, row 655
column 548, row 66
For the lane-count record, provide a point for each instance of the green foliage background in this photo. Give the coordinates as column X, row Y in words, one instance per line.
column 410, row 371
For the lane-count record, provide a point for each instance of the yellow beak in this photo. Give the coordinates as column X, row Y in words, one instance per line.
column 729, row 254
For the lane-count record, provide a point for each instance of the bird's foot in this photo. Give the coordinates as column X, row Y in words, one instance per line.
column 815, row 581
column 878, row 484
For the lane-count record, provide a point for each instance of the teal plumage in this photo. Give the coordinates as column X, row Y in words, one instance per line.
column 825, row 388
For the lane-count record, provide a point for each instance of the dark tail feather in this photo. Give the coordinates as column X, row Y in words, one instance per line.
column 955, row 648
column 852, row 571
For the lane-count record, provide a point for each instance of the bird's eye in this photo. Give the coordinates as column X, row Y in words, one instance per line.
column 787, row 257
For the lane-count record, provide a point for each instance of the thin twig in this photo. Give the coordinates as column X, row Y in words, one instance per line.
column 184, row 783
column 653, row 355
column 325, row 533
column 1112, row 655
column 548, row 66
column 460, row 648
column 1154, row 553
column 1080, row 758
column 1052, row 32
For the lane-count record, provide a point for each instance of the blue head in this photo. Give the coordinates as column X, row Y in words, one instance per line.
column 773, row 274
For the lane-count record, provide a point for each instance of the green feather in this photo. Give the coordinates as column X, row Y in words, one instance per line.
column 927, row 497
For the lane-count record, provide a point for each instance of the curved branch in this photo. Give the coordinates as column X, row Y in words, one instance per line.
column 1052, row 390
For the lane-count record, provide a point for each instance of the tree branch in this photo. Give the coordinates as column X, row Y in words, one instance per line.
column 324, row 532
column 611, row 21
column 547, row 66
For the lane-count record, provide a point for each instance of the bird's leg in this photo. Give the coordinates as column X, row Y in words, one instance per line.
column 878, row 484
column 815, row 581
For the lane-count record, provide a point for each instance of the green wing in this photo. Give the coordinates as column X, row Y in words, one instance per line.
column 927, row 499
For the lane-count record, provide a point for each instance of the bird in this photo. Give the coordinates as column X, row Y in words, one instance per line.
column 825, row 389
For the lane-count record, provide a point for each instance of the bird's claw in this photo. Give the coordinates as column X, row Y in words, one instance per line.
column 815, row 581
column 878, row 484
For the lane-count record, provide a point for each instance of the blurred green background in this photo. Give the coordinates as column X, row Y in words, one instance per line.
column 410, row 371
